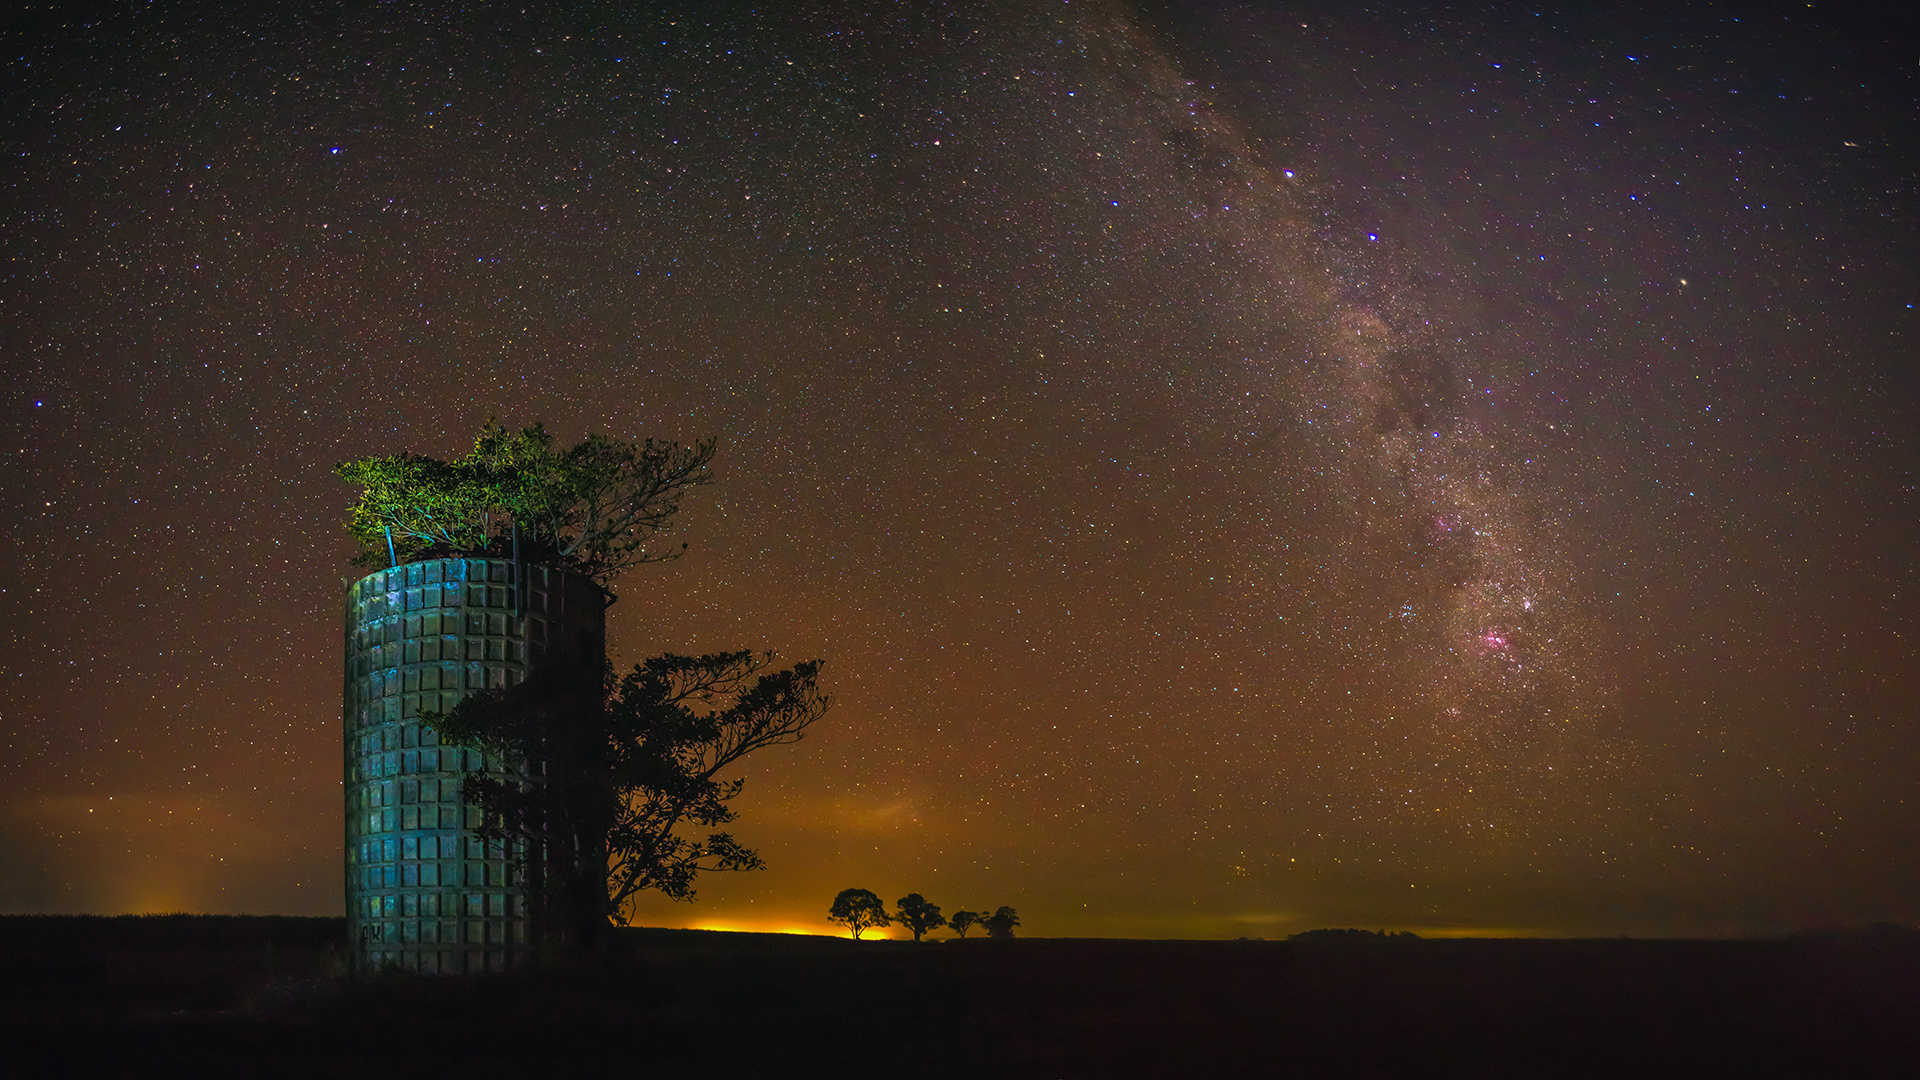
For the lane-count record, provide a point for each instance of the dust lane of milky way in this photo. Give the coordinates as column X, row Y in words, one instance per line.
column 1246, row 467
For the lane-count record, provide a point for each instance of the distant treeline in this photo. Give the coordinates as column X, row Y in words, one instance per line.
column 1351, row 934
column 145, row 933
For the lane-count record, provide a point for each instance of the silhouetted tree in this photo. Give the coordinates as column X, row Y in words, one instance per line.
column 1352, row 934
column 859, row 910
column 918, row 916
column 963, row 921
column 677, row 722
column 616, row 773
column 555, row 824
column 1000, row 924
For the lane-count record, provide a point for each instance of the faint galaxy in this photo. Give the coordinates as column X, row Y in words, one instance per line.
column 1247, row 467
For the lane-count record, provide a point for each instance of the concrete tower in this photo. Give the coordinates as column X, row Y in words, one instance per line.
column 423, row 891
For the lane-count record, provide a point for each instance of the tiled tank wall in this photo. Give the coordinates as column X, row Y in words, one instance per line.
column 423, row 891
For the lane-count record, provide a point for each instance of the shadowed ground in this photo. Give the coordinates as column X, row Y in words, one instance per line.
column 216, row 996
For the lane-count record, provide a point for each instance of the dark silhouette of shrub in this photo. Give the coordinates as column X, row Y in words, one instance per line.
column 1000, row 924
column 918, row 916
column 1351, row 934
column 859, row 910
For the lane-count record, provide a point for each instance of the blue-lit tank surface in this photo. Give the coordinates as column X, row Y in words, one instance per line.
column 423, row 891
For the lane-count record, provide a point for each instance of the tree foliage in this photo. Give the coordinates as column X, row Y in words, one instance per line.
column 676, row 723
column 859, row 910
column 603, row 778
column 963, row 921
column 918, row 916
column 1348, row 933
column 595, row 507
column 1000, row 924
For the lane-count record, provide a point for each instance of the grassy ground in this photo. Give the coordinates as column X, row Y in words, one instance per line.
column 216, row 996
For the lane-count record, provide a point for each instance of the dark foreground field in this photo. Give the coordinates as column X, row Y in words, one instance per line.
column 217, row 996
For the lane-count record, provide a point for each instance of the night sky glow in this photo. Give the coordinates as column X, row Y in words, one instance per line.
column 1247, row 467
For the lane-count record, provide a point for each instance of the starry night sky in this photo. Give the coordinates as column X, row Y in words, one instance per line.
column 1247, row 467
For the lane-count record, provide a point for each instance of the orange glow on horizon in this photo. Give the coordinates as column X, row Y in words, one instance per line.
column 774, row 925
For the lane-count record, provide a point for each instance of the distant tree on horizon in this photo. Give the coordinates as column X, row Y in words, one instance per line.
column 859, row 910
column 1000, row 924
column 1353, row 934
column 918, row 916
column 963, row 921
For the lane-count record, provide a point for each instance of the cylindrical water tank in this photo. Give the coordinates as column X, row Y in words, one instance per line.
column 424, row 892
